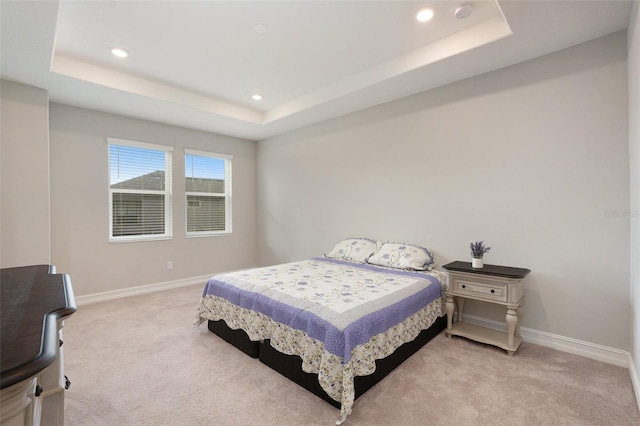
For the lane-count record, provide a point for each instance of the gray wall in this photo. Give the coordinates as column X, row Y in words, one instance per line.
column 634, row 161
column 533, row 159
column 24, row 175
column 79, row 205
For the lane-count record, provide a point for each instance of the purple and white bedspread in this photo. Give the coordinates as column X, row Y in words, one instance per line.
column 338, row 316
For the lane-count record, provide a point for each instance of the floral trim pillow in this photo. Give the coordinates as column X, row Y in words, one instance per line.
column 353, row 250
column 403, row 256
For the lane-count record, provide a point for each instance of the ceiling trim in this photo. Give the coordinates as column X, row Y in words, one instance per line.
column 144, row 87
column 483, row 33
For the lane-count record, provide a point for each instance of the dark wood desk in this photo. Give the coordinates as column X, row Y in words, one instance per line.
column 33, row 300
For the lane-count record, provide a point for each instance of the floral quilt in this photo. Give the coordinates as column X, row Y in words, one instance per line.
column 338, row 316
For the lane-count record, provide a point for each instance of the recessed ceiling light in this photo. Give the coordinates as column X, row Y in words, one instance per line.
column 424, row 15
column 256, row 97
column 119, row 52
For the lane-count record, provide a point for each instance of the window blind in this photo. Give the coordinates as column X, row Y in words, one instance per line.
column 208, row 193
column 139, row 190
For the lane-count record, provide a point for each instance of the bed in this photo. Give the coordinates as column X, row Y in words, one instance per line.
column 335, row 324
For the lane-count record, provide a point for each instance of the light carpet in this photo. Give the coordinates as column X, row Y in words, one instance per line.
column 141, row 361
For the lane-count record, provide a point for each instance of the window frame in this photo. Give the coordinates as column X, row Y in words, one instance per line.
column 168, row 193
column 228, row 161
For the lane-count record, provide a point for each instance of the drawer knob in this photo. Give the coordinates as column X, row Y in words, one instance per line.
column 463, row 286
column 38, row 390
column 492, row 291
column 67, row 382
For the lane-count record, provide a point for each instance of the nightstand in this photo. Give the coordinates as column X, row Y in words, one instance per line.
column 495, row 284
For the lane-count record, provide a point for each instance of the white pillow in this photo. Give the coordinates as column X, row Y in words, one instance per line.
column 353, row 250
column 403, row 256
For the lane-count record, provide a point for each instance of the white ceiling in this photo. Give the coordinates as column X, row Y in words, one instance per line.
column 197, row 63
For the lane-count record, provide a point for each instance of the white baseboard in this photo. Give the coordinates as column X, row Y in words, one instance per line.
column 635, row 381
column 143, row 289
column 561, row 343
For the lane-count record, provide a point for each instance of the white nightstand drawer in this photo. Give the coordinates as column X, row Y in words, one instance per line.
column 497, row 292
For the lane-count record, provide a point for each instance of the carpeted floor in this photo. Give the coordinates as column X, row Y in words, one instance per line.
column 140, row 361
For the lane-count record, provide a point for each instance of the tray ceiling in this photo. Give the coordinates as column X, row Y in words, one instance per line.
column 197, row 64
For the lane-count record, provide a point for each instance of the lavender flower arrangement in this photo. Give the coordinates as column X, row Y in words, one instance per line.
column 478, row 249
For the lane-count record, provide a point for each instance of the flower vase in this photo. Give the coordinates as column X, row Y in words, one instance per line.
column 477, row 263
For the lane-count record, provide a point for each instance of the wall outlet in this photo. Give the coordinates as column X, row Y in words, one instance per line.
column 169, row 265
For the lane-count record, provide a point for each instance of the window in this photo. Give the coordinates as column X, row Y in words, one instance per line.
column 208, row 193
column 139, row 191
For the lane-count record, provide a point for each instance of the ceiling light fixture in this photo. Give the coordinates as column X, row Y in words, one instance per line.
column 119, row 52
column 424, row 15
column 256, row 97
